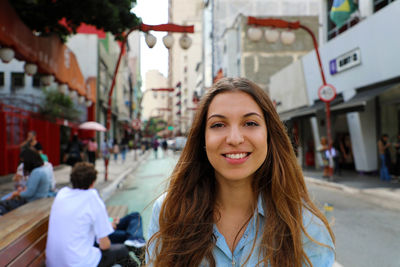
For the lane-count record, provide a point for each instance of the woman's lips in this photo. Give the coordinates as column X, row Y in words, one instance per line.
column 236, row 158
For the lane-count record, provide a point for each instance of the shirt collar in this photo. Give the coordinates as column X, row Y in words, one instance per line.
column 260, row 205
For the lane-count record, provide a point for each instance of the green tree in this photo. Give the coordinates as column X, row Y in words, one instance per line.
column 58, row 105
column 43, row 16
column 153, row 126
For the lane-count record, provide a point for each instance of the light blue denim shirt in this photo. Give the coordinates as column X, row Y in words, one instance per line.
column 319, row 256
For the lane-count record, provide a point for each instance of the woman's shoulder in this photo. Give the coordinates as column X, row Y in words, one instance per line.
column 158, row 203
column 316, row 229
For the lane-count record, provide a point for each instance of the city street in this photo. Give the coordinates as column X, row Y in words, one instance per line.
column 142, row 187
column 366, row 234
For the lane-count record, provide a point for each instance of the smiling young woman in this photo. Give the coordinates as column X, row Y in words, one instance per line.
column 237, row 196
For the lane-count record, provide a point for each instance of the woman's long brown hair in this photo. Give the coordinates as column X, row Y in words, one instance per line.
column 186, row 238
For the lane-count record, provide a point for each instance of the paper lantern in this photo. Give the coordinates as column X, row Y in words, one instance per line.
column 151, row 40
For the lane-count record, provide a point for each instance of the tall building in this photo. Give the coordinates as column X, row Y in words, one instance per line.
column 185, row 65
column 361, row 60
column 155, row 103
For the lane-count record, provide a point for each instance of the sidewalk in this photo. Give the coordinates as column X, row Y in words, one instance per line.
column 386, row 194
column 116, row 173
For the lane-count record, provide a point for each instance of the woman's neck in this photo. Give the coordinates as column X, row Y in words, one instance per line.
column 235, row 196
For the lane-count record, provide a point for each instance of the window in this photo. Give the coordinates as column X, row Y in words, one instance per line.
column 17, row 79
column 1, row 78
column 36, row 80
column 379, row 4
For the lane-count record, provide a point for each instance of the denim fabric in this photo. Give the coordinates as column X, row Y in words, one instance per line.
column 129, row 228
column 319, row 256
column 384, row 171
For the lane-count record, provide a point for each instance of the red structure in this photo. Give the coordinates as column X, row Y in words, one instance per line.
column 17, row 123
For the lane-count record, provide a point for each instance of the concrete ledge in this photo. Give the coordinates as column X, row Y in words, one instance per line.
column 384, row 197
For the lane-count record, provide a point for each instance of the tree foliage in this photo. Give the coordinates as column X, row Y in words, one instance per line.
column 43, row 16
column 58, row 105
column 154, row 125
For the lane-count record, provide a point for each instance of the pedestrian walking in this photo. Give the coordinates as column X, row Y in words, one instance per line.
column 106, row 148
column 156, row 144
column 73, row 153
column 384, row 155
column 92, row 150
column 327, row 157
column 115, row 149
column 164, row 146
column 124, row 148
column 237, row 196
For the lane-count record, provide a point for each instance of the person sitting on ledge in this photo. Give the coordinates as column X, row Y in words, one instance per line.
column 78, row 218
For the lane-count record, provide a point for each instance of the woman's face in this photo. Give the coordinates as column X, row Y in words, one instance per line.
column 235, row 136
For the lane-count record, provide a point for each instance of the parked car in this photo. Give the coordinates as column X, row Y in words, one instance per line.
column 180, row 142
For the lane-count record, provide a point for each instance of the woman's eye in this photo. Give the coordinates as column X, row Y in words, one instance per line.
column 251, row 123
column 217, row 125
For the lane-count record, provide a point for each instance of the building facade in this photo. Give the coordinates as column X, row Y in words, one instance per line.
column 361, row 61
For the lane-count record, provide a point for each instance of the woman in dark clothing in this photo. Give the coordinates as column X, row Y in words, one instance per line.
column 74, row 151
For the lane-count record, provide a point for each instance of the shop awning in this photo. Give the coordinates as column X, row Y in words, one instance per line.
column 308, row 111
column 91, row 89
column 49, row 53
column 359, row 101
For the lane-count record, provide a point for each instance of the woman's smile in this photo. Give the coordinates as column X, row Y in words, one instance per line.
column 236, row 136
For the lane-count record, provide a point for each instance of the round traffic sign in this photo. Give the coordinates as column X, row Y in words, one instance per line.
column 136, row 124
column 327, row 92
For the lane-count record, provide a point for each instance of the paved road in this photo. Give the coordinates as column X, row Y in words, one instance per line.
column 142, row 187
column 367, row 235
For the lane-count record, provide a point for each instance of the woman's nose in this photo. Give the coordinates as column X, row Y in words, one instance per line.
column 235, row 136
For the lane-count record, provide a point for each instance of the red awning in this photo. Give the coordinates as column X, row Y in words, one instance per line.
column 49, row 53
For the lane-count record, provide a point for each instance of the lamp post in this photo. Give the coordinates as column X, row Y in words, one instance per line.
column 326, row 92
column 185, row 44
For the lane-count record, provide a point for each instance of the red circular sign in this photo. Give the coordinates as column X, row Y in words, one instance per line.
column 327, row 92
column 136, row 124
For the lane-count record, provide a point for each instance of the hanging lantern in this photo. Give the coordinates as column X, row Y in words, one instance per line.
column 168, row 40
column 73, row 94
column 185, row 41
column 63, row 88
column 88, row 103
column 254, row 34
column 151, row 40
column 271, row 35
column 6, row 54
column 81, row 99
column 47, row 80
column 288, row 37
column 30, row 68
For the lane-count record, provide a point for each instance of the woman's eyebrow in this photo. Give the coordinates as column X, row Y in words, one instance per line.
column 217, row 116
column 224, row 117
column 251, row 114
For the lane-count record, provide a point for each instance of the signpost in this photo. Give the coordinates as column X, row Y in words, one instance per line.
column 136, row 124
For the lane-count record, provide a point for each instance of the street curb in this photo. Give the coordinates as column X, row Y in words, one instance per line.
column 379, row 196
column 107, row 191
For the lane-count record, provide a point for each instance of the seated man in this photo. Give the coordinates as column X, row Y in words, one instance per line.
column 78, row 217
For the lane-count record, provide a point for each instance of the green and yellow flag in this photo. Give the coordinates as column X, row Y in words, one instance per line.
column 341, row 11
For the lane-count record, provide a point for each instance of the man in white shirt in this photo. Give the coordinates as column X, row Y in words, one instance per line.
column 78, row 217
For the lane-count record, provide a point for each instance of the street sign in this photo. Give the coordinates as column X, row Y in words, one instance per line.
column 327, row 92
column 136, row 124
